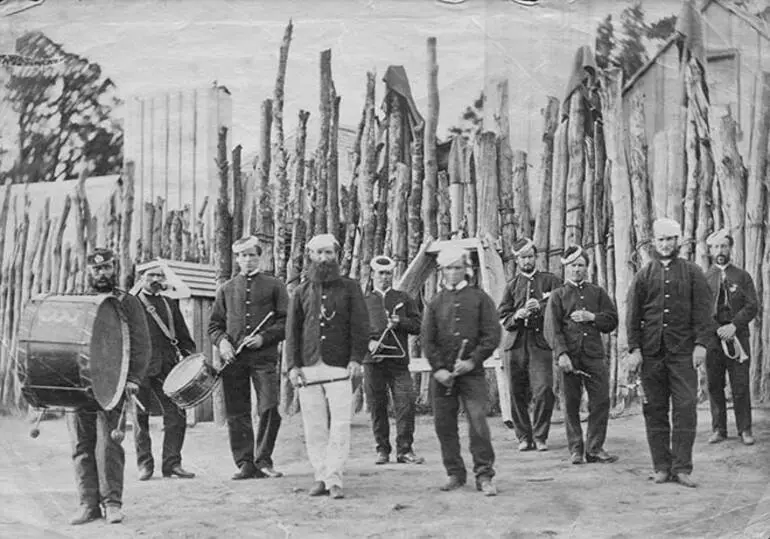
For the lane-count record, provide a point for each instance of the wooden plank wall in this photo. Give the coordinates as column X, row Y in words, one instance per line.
column 172, row 139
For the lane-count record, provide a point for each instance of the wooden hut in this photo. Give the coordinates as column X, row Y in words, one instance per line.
column 737, row 52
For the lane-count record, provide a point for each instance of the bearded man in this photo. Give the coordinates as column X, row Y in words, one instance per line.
column 99, row 460
column 327, row 335
column 734, row 307
column 669, row 326
column 528, row 353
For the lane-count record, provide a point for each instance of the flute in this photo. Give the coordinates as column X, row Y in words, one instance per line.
column 459, row 357
column 241, row 346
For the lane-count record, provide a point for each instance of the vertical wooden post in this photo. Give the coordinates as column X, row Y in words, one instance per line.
column 332, row 169
column 401, row 221
column 756, row 204
column 731, row 177
column 262, row 185
column 415, row 195
column 444, row 207
column 620, row 194
column 642, row 213
column 485, row 155
column 573, row 233
column 522, row 214
column 430, row 183
column 366, row 183
column 692, row 179
column 558, row 197
column 543, row 222
column 322, row 153
column 299, row 226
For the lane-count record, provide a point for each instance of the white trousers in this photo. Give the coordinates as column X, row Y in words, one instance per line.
column 326, row 413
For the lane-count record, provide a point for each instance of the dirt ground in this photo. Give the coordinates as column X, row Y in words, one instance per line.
column 541, row 494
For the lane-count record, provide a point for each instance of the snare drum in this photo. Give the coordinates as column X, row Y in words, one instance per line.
column 191, row 381
column 73, row 351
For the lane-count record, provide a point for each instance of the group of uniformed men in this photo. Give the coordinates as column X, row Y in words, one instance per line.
column 678, row 317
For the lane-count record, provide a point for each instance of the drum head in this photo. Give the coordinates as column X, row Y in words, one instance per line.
column 110, row 353
column 183, row 373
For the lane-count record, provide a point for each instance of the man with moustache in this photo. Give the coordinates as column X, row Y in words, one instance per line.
column 240, row 306
column 99, row 460
column 326, row 339
column 393, row 316
column 460, row 330
column 170, row 340
column 735, row 306
column 521, row 313
column 576, row 316
column 669, row 326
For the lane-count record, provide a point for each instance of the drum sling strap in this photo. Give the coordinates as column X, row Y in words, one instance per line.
column 166, row 330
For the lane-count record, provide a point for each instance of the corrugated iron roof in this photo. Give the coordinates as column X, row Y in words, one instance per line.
column 200, row 278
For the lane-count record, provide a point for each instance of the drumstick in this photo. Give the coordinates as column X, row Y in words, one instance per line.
column 119, row 432
column 139, row 404
column 256, row 330
column 35, row 431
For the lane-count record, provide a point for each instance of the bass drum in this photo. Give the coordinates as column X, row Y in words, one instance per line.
column 73, row 351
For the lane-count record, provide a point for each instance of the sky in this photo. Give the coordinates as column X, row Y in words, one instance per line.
column 149, row 48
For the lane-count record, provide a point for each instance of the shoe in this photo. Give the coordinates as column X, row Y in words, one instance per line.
column 717, row 437
column 576, row 458
column 541, row 445
column 85, row 514
column 410, row 458
column 525, row 445
column 684, row 480
column 661, row 477
column 453, row 483
column 145, row 473
column 336, row 492
column 486, row 486
column 747, row 438
column 382, row 458
column 318, row 489
column 113, row 514
column 269, row 472
column 245, row 472
column 179, row 472
column 602, row 457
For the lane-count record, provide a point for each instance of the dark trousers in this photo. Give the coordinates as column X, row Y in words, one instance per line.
column 174, row 427
column 469, row 390
column 598, row 389
column 717, row 364
column 531, row 379
column 381, row 379
column 99, row 461
column 235, row 382
column 670, row 381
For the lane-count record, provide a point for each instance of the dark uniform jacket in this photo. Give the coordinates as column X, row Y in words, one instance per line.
column 540, row 287
column 138, row 336
column 454, row 315
column 669, row 308
column 164, row 356
column 241, row 304
column 379, row 309
column 579, row 338
column 327, row 322
column 735, row 301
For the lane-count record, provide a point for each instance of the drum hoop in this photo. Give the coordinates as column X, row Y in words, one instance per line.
column 126, row 356
column 189, row 383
